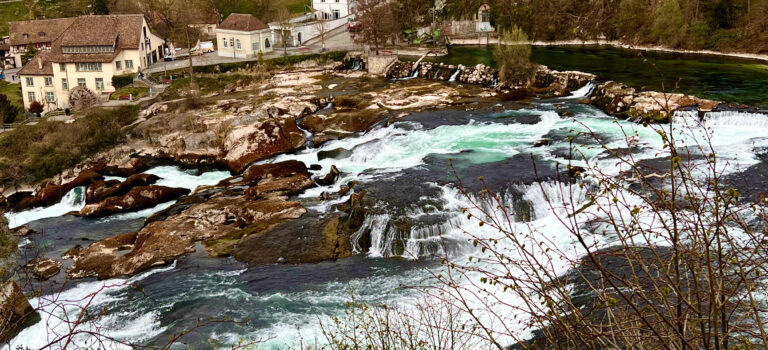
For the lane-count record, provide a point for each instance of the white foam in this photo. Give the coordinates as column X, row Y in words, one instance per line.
column 74, row 200
column 584, row 91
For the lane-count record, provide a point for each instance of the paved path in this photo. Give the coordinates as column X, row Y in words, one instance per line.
column 337, row 40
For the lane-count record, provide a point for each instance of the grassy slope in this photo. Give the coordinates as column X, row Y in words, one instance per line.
column 297, row 6
column 9, row 12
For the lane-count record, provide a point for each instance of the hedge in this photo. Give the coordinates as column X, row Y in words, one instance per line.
column 279, row 61
column 119, row 81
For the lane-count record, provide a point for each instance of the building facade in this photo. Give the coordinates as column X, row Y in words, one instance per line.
column 243, row 36
column 89, row 53
column 333, row 9
column 39, row 34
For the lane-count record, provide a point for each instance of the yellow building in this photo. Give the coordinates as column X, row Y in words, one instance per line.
column 89, row 53
column 243, row 36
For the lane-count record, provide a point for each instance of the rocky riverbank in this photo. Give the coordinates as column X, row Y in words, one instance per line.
column 255, row 216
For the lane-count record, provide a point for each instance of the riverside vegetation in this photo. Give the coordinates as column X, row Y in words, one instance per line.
column 462, row 208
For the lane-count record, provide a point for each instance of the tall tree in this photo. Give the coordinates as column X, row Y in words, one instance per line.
column 283, row 19
column 377, row 22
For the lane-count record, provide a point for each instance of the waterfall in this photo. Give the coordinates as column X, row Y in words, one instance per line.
column 455, row 75
column 736, row 118
column 74, row 200
column 584, row 91
column 722, row 119
column 437, row 72
column 416, row 72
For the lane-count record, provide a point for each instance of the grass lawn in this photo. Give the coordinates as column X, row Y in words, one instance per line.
column 298, row 6
column 12, row 11
column 138, row 90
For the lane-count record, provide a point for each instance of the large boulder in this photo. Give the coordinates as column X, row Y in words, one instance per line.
column 14, row 309
column 307, row 240
column 142, row 197
column 217, row 220
column 256, row 173
column 43, row 268
column 101, row 190
column 648, row 106
column 248, row 144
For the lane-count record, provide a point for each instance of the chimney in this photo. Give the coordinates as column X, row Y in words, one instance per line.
column 39, row 63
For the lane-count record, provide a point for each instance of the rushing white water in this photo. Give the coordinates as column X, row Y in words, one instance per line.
column 584, row 91
column 455, row 75
column 74, row 200
column 385, row 151
column 51, row 330
column 173, row 176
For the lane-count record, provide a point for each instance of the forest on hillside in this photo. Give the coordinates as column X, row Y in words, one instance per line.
column 724, row 25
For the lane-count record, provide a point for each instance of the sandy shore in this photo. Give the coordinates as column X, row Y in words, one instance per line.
column 493, row 41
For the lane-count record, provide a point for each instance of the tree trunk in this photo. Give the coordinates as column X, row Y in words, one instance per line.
column 192, row 83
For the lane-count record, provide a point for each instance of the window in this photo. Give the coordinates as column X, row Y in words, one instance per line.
column 62, row 67
column 484, row 16
column 128, row 64
column 31, row 97
column 88, row 67
column 64, row 84
column 255, row 46
column 48, row 81
column 26, row 36
column 50, row 97
column 266, row 43
column 224, row 41
column 336, row 14
column 118, row 65
column 30, row 81
column 238, row 44
column 81, row 82
column 41, row 34
column 99, row 83
column 88, row 49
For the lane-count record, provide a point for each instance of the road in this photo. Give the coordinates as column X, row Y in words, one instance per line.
column 336, row 40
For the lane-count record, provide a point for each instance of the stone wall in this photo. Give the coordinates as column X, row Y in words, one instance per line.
column 545, row 82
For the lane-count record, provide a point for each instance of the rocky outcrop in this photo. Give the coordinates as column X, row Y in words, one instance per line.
column 648, row 106
column 101, row 190
column 50, row 193
column 551, row 83
column 43, row 268
column 161, row 242
column 22, row 231
column 141, row 197
column 218, row 216
column 546, row 82
column 307, row 240
column 252, row 143
column 14, row 309
column 330, row 178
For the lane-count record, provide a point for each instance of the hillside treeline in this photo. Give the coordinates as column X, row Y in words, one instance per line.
column 725, row 25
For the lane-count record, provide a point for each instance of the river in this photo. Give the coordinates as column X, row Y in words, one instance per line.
column 406, row 164
column 720, row 78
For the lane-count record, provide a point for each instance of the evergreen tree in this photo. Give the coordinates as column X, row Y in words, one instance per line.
column 8, row 111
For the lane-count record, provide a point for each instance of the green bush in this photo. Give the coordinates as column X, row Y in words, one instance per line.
column 279, row 61
column 31, row 153
column 119, row 81
column 8, row 111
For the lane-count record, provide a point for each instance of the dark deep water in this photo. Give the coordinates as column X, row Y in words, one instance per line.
column 723, row 78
